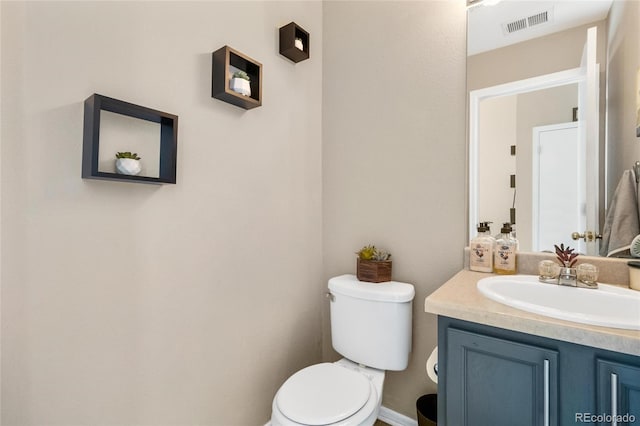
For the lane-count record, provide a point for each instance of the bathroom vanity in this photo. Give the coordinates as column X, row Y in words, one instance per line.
column 498, row 365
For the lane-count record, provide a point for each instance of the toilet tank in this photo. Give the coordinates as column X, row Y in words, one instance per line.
column 371, row 323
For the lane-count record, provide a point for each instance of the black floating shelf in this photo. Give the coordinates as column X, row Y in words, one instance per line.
column 288, row 35
column 91, row 139
column 224, row 62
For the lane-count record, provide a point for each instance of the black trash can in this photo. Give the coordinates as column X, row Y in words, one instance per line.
column 427, row 406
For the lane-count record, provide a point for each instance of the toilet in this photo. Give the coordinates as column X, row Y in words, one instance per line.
column 371, row 329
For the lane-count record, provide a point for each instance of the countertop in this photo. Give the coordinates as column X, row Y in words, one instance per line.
column 459, row 298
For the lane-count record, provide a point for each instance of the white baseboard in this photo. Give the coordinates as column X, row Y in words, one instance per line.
column 394, row 418
column 388, row 416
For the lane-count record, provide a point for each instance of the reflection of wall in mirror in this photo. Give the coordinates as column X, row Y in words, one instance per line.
column 623, row 60
column 544, row 55
column 495, row 163
column 506, row 121
column 538, row 108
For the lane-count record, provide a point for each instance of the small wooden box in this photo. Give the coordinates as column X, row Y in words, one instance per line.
column 225, row 61
column 374, row 271
column 288, row 34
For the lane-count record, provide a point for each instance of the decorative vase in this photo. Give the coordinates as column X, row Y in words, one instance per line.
column 374, row 271
column 128, row 166
column 240, row 85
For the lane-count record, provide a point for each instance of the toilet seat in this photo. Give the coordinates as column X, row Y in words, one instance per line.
column 323, row 394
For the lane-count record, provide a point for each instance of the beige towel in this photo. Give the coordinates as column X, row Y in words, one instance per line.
column 622, row 223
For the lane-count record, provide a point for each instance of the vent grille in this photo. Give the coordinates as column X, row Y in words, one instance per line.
column 518, row 25
column 527, row 22
column 538, row 19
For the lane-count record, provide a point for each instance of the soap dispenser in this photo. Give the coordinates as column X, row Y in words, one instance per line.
column 481, row 249
column 504, row 261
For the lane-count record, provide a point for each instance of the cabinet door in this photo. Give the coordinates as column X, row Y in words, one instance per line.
column 498, row 382
column 618, row 393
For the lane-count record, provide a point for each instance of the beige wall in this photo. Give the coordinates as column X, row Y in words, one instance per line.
column 394, row 154
column 191, row 304
column 623, row 61
column 140, row 304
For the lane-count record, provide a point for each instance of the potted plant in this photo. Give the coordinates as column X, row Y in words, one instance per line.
column 373, row 265
column 128, row 163
column 567, row 259
column 241, row 83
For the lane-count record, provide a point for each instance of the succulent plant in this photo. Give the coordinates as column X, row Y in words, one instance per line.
column 241, row 74
column 566, row 256
column 381, row 255
column 370, row 252
column 128, row 154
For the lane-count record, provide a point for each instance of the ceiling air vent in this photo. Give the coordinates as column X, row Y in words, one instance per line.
column 527, row 22
column 538, row 19
column 514, row 26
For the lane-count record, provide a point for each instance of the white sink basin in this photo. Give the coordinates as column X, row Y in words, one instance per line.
column 608, row 306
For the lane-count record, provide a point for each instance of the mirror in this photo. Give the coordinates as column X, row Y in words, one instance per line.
column 530, row 82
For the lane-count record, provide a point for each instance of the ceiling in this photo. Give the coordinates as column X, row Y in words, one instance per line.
column 487, row 29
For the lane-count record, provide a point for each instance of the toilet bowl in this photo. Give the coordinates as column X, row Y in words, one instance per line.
column 337, row 394
column 371, row 329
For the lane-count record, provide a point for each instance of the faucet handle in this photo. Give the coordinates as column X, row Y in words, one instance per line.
column 587, row 275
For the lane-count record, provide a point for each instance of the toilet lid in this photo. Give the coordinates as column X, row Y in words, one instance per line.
column 323, row 394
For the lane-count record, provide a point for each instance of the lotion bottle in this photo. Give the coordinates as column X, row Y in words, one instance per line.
column 504, row 261
column 481, row 249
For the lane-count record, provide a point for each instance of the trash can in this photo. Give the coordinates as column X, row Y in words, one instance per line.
column 427, row 406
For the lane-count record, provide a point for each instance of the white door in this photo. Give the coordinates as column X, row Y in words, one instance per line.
column 557, row 184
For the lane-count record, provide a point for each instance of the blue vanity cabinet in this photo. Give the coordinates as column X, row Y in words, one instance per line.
column 618, row 387
column 490, row 376
column 498, row 382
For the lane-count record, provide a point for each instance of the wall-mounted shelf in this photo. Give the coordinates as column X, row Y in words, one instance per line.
column 225, row 62
column 94, row 105
column 288, row 35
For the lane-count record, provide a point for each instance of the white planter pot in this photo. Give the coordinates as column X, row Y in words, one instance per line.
column 240, row 85
column 128, row 166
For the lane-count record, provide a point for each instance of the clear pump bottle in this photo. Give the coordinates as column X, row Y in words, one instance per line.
column 505, row 258
column 481, row 249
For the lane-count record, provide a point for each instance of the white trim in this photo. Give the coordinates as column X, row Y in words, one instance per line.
column 394, row 418
column 390, row 417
